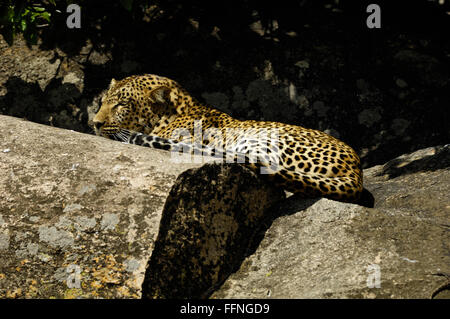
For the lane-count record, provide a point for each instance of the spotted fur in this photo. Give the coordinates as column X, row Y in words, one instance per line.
column 147, row 110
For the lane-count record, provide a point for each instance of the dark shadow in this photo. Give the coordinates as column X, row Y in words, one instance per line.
column 294, row 204
column 56, row 105
column 440, row 160
column 206, row 232
column 23, row 100
column 291, row 205
column 288, row 206
column 366, row 199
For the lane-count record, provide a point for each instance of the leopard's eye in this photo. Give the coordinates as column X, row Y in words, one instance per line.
column 116, row 106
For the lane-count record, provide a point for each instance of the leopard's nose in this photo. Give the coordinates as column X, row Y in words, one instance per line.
column 98, row 124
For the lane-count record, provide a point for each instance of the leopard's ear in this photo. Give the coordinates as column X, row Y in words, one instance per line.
column 160, row 94
column 112, row 83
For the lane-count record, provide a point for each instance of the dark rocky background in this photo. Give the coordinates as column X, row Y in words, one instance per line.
column 312, row 63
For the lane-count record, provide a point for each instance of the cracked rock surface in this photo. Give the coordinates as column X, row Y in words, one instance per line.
column 327, row 249
column 79, row 214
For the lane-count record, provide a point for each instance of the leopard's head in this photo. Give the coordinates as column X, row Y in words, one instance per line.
column 136, row 103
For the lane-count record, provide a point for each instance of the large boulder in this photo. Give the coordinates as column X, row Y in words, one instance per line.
column 210, row 221
column 79, row 214
column 327, row 249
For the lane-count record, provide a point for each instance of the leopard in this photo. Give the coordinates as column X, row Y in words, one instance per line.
column 155, row 111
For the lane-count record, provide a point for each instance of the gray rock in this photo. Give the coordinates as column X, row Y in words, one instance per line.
column 239, row 101
column 205, row 233
column 333, row 133
column 425, row 69
column 41, row 85
column 99, row 58
column 36, row 65
column 4, row 240
column 270, row 97
column 53, row 216
column 109, row 221
column 327, row 249
column 55, row 237
column 368, row 117
column 399, row 126
column 129, row 67
column 303, row 64
column 362, row 85
column 401, row 83
column 218, row 99
column 320, row 108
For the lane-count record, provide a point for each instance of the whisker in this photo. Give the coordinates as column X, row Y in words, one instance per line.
column 120, row 136
column 125, row 133
column 124, row 137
